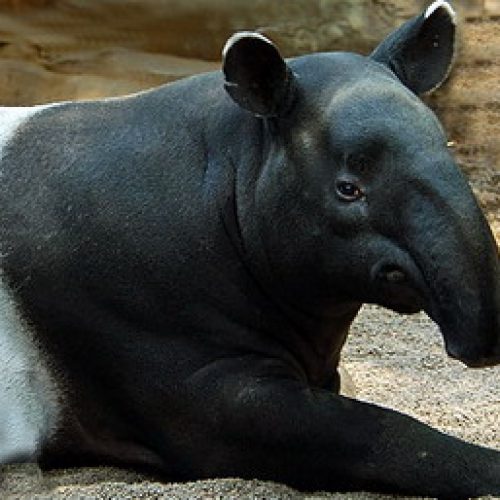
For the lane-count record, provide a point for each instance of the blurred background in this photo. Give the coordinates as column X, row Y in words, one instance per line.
column 53, row 50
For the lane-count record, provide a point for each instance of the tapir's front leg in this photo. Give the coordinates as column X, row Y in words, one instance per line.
column 278, row 428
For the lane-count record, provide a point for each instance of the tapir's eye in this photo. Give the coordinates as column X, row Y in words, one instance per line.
column 348, row 191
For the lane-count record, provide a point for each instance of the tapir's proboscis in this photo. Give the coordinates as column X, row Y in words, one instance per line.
column 181, row 267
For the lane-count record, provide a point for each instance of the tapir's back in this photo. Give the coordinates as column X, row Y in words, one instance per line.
column 82, row 176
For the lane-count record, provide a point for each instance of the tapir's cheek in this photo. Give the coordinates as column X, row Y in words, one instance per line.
column 347, row 218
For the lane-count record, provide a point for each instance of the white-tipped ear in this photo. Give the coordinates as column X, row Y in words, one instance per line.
column 441, row 4
column 242, row 34
column 257, row 77
column 421, row 51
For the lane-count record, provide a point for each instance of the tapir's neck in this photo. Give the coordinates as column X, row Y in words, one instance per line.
column 316, row 336
column 312, row 333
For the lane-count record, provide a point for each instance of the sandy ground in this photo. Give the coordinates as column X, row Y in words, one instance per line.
column 396, row 361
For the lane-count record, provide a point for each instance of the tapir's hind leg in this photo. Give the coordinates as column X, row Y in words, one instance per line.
column 29, row 398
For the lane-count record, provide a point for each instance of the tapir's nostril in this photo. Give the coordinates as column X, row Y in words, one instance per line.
column 392, row 274
column 395, row 276
column 397, row 287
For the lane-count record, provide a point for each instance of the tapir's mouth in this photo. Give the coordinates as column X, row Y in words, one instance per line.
column 479, row 362
column 406, row 290
column 406, row 303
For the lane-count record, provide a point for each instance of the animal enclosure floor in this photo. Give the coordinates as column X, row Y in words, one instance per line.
column 397, row 361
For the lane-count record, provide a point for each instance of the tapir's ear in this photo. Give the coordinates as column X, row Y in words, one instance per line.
column 257, row 77
column 421, row 51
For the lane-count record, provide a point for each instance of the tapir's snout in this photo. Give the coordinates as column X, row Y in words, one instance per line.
column 486, row 351
column 468, row 309
column 456, row 252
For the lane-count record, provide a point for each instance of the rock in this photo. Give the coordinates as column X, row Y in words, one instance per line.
column 69, row 49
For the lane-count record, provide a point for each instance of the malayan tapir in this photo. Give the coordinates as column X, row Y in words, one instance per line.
column 180, row 269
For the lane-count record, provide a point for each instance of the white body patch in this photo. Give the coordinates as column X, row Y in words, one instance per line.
column 29, row 398
column 438, row 4
column 11, row 118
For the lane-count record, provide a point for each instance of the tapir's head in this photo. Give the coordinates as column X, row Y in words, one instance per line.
column 358, row 197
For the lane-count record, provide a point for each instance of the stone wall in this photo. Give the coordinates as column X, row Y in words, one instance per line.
column 67, row 49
